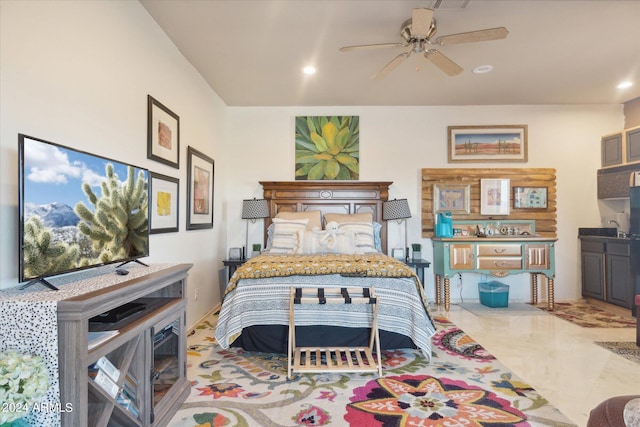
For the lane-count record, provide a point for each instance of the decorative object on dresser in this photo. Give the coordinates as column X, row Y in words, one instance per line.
column 163, row 134
column 199, row 190
column 327, row 148
column 253, row 209
column 164, row 194
column 499, row 143
column 398, row 209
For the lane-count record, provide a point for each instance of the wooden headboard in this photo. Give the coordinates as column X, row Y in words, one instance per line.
column 346, row 197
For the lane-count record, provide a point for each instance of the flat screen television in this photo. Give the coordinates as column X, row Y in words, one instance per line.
column 77, row 211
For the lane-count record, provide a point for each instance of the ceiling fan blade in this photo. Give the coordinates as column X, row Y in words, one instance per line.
column 421, row 22
column 473, row 36
column 441, row 61
column 391, row 65
column 370, row 46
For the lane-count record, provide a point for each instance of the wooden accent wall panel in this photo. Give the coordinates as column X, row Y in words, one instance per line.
column 519, row 177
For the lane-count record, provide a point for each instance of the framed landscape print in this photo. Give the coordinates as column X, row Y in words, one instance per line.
column 499, row 143
column 494, row 197
column 164, row 203
column 163, row 134
column 451, row 198
column 199, row 190
column 530, row 197
column 327, row 148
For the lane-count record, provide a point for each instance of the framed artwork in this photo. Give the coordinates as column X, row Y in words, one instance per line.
column 327, row 148
column 199, row 190
column 494, row 197
column 451, row 198
column 163, row 134
column 164, row 201
column 499, row 143
column 530, row 197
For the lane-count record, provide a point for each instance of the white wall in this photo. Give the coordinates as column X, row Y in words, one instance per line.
column 78, row 73
column 396, row 143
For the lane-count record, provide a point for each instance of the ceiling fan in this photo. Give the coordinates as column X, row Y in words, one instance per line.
column 418, row 32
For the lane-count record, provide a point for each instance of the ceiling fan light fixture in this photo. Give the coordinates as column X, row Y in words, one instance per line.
column 482, row 69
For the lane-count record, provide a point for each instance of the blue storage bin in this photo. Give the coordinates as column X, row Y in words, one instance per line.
column 494, row 294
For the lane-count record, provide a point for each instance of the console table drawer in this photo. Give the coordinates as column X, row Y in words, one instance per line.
column 501, row 249
column 500, row 263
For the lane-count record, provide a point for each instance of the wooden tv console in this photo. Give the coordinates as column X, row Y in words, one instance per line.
column 149, row 352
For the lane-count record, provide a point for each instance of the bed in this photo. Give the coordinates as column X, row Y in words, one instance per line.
column 255, row 309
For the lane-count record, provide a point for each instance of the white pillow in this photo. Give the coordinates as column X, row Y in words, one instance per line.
column 314, row 217
column 364, row 240
column 288, row 236
column 336, row 241
column 311, row 242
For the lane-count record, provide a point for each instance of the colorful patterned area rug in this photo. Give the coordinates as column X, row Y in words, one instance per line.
column 463, row 385
column 589, row 316
column 628, row 350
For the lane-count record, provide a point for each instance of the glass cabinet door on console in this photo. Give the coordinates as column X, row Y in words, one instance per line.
column 169, row 366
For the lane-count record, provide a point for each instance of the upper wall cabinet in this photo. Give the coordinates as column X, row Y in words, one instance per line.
column 620, row 158
column 621, row 148
column 612, row 150
column 632, row 138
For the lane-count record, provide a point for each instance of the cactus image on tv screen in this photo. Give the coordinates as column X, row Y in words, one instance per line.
column 78, row 210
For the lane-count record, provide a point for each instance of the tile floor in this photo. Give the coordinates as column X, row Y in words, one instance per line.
column 556, row 357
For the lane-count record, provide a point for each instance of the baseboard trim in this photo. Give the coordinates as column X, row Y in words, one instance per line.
column 214, row 310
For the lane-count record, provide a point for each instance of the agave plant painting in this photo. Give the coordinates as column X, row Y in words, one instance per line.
column 327, row 147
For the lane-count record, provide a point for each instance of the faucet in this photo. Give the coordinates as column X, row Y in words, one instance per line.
column 618, row 232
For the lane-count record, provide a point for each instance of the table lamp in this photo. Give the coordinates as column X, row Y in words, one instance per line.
column 253, row 209
column 398, row 209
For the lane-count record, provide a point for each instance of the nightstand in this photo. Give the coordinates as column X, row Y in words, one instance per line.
column 419, row 265
column 231, row 265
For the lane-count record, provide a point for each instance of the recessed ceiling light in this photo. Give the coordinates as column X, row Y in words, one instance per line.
column 309, row 69
column 625, row 85
column 481, row 69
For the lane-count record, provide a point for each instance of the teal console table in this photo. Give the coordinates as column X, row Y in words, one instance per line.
column 498, row 255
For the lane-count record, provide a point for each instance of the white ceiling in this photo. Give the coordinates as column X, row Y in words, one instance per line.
column 251, row 52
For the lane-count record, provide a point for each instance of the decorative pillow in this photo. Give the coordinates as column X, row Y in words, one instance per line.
column 376, row 236
column 314, row 217
column 340, row 218
column 336, row 241
column 363, row 234
column 288, row 236
column 631, row 413
column 311, row 242
column 269, row 236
